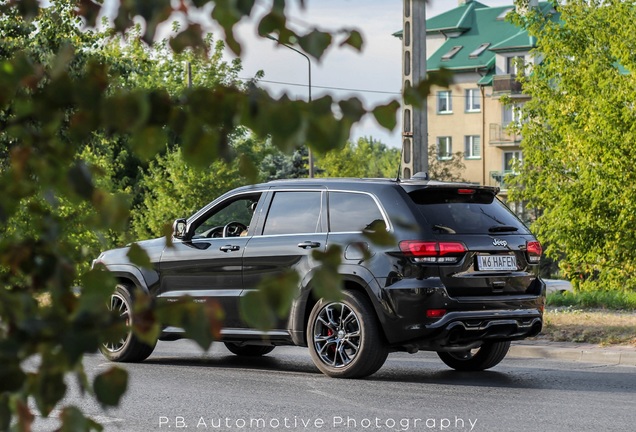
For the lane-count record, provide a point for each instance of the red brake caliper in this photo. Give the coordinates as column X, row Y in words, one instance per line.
column 332, row 347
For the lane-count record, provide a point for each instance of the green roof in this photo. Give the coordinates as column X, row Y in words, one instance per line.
column 471, row 26
column 460, row 18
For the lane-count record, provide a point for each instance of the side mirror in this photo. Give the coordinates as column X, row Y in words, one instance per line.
column 179, row 228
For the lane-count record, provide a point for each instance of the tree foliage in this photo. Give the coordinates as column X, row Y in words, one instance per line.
column 365, row 158
column 578, row 140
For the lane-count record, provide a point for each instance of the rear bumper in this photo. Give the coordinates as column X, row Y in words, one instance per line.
column 462, row 330
column 468, row 321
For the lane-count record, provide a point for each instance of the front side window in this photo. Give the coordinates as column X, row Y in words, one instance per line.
column 352, row 212
column 294, row 213
column 236, row 214
column 473, row 100
column 444, row 102
column 444, row 148
column 472, row 147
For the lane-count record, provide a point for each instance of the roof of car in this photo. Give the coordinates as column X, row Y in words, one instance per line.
column 414, row 182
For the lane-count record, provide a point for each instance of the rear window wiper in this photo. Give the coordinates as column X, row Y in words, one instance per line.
column 502, row 228
column 444, row 228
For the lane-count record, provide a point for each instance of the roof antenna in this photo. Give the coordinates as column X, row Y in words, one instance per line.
column 397, row 179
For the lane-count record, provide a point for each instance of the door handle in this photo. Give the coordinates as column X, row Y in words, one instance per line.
column 308, row 245
column 229, row 248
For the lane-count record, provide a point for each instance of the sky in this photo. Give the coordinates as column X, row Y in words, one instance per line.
column 374, row 75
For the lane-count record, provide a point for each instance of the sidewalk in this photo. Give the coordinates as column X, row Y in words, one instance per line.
column 616, row 355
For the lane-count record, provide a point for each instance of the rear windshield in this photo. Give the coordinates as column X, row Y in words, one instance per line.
column 450, row 212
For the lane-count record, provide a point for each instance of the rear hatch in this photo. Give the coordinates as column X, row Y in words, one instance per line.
column 480, row 247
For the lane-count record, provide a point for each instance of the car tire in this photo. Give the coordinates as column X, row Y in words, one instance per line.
column 344, row 337
column 129, row 349
column 484, row 357
column 249, row 350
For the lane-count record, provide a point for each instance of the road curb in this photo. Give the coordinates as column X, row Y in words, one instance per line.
column 624, row 357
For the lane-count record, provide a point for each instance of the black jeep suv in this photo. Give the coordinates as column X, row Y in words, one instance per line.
column 461, row 278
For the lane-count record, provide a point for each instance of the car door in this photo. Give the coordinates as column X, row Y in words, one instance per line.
column 207, row 263
column 294, row 225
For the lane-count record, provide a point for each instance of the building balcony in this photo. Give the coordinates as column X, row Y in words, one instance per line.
column 506, row 84
column 499, row 136
column 498, row 178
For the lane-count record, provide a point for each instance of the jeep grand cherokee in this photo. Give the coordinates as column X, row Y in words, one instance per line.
column 460, row 279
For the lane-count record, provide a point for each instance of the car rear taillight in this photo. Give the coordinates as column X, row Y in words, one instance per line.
column 433, row 252
column 534, row 251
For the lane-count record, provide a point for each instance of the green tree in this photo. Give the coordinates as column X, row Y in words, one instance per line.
column 364, row 158
column 578, row 140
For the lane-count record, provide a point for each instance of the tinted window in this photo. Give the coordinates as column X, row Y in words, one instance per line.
column 450, row 212
column 352, row 212
column 293, row 212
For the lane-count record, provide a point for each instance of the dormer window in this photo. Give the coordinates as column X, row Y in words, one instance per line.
column 479, row 50
column 450, row 54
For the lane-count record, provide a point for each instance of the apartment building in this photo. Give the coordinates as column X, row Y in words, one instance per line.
column 484, row 51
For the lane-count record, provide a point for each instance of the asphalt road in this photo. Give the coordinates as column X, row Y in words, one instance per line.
column 179, row 388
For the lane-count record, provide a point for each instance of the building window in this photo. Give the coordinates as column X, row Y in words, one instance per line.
column 511, row 160
column 515, row 64
column 473, row 100
column 444, row 148
column 444, row 102
column 451, row 53
column 511, row 114
column 480, row 49
column 472, row 147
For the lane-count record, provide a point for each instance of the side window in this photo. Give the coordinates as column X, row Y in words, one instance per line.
column 352, row 212
column 239, row 212
column 294, row 213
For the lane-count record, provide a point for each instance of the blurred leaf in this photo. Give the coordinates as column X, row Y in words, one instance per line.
column 327, row 281
column 202, row 323
column 73, row 420
column 247, row 169
column 354, row 40
column 149, row 141
column 315, row 43
column 386, row 115
column 90, row 10
column 352, row 108
column 81, row 180
column 377, row 233
column 49, row 389
column 5, row 411
column 191, row 37
column 146, row 322
column 271, row 301
column 138, row 256
column 11, row 375
column 25, row 416
column 98, row 285
column 110, row 386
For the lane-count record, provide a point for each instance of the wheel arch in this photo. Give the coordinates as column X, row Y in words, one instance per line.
column 129, row 274
column 301, row 309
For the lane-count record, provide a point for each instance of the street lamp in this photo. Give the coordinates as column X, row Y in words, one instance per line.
column 311, row 156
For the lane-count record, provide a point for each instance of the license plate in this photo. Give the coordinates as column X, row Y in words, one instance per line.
column 496, row 262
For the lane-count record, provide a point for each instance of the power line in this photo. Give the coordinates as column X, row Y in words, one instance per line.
column 324, row 87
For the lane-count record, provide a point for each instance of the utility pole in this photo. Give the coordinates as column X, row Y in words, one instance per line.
column 415, row 127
